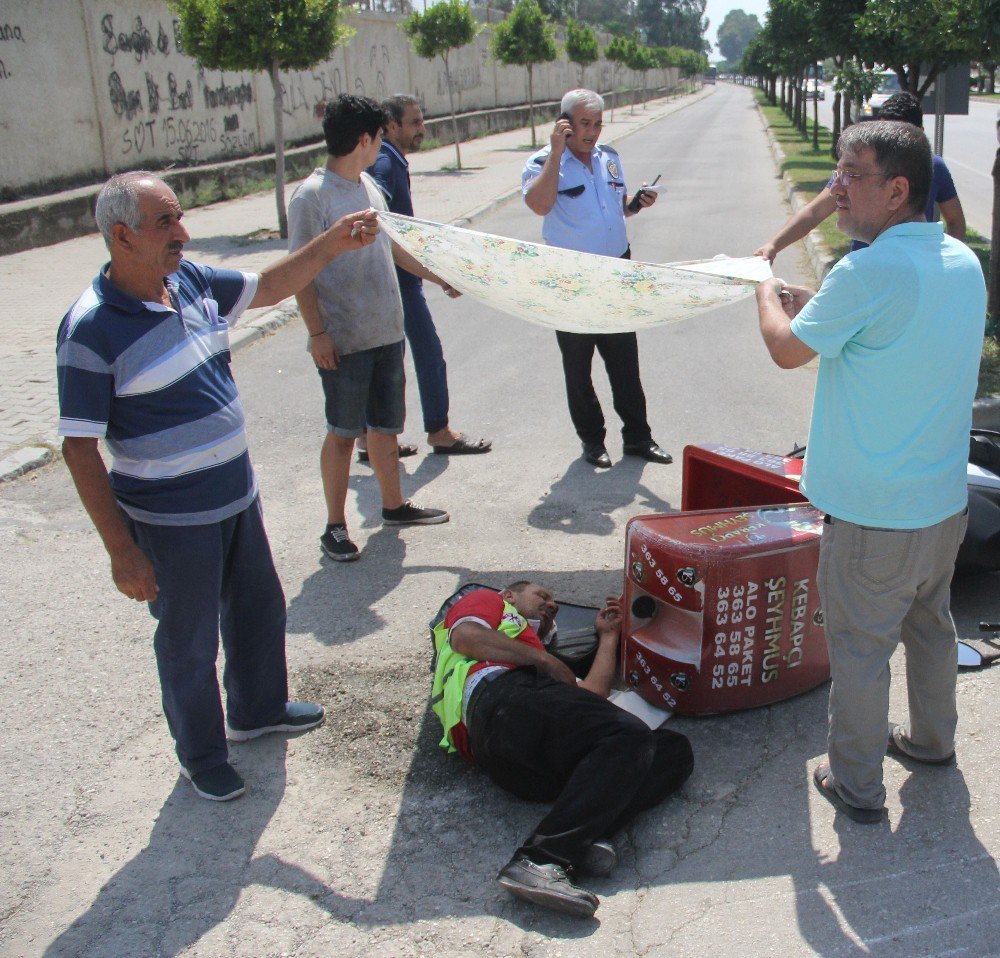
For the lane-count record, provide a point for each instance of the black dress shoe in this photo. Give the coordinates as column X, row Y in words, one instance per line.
column 596, row 455
column 649, row 451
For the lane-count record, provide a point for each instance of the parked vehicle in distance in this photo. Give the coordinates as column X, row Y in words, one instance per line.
column 814, row 89
column 888, row 85
column 710, row 75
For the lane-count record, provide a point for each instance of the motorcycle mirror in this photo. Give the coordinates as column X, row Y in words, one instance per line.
column 968, row 657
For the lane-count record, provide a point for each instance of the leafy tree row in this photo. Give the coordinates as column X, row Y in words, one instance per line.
column 917, row 39
column 262, row 35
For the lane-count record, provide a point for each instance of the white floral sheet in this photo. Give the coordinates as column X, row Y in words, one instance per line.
column 575, row 292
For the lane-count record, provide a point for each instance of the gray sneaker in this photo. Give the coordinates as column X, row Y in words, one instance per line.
column 548, row 886
column 299, row 717
column 220, row 784
column 410, row 515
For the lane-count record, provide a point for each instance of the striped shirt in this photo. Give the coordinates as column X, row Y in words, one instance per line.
column 155, row 383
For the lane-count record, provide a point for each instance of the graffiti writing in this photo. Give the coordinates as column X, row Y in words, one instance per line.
column 139, row 137
column 330, row 84
column 124, row 102
column 162, row 40
column 229, row 96
column 231, row 123
column 178, row 40
column 152, row 94
column 180, row 99
column 241, row 143
column 139, row 42
column 293, row 96
column 4, row 75
column 8, row 32
column 466, row 78
column 183, row 132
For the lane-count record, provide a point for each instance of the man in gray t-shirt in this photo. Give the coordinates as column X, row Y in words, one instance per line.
column 355, row 323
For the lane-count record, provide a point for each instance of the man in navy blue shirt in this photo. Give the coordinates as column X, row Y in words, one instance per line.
column 403, row 134
column 143, row 363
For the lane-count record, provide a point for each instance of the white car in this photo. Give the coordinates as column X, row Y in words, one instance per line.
column 888, row 85
column 814, row 90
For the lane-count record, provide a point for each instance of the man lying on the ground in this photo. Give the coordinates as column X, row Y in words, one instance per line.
column 520, row 714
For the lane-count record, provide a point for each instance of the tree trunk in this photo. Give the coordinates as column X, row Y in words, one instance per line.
column 993, row 299
column 816, row 115
column 451, row 105
column 531, row 105
column 992, row 68
column 279, row 152
column 836, row 124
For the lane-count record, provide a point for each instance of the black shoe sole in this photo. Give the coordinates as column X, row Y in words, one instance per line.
column 577, row 907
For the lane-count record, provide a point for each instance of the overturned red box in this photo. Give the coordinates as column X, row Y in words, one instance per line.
column 717, row 475
column 721, row 610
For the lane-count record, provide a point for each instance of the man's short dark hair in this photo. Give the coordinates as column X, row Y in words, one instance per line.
column 395, row 106
column 901, row 149
column 346, row 118
column 903, row 107
column 518, row 586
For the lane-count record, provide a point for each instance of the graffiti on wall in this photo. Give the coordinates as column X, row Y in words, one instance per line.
column 9, row 33
column 163, row 111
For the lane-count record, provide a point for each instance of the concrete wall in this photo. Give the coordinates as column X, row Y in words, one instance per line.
column 91, row 87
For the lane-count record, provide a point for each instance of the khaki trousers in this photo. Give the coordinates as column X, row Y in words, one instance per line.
column 881, row 587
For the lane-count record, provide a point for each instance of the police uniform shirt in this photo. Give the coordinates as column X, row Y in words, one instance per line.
column 588, row 214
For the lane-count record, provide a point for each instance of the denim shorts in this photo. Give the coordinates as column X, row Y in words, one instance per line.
column 367, row 386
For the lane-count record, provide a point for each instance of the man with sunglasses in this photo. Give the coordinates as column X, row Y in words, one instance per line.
column 898, row 327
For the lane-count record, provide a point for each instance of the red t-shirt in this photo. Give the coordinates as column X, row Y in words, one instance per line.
column 486, row 608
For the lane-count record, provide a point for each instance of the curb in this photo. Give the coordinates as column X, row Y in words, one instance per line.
column 42, row 452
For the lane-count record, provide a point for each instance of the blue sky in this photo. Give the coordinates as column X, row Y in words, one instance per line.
column 716, row 11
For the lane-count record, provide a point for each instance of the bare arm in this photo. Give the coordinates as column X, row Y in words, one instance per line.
column 799, row 225
column 954, row 218
column 290, row 273
column 130, row 568
column 322, row 348
column 475, row 641
column 544, row 188
column 609, row 626
column 776, row 313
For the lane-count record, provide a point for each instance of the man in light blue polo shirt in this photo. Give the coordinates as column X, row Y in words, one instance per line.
column 899, row 329
column 579, row 187
column 143, row 363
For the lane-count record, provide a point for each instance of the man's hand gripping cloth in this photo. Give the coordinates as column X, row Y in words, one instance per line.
column 574, row 292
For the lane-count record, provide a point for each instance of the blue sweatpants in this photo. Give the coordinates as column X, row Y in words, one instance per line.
column 216, row 578
column 428, row 358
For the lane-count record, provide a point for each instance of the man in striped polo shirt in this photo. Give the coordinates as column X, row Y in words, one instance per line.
column 144, row 363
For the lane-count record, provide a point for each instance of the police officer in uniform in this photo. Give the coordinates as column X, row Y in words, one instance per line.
column 579, row 189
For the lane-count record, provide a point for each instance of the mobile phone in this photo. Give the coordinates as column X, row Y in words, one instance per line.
column 566, row 116
column 634, row 204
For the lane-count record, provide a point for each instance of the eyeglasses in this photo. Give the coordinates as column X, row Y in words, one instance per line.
column 845, row 179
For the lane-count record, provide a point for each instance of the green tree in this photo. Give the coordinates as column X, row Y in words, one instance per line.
column 581, row 46
column 638, row 60
column 617, row 53
column 444, row 27
column 674, row 23
column 525, row 38
column 262, row 35
column 908, row 35
column 737, row 30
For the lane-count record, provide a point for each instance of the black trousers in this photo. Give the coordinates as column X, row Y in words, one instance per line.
column 547, row 741
column 620, row 352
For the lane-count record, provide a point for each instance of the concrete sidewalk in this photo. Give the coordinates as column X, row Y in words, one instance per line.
column 41, row 284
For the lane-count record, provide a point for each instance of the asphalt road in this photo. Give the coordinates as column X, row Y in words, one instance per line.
column 363, row 838
column 970, row 147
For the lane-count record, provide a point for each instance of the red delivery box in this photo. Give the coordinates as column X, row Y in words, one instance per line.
column 717, row 475
column 721, row 608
